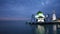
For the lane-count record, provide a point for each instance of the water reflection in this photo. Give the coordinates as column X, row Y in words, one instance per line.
column 46, row 29
column 40, row 29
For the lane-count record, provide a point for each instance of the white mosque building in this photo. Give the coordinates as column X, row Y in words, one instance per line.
column 41, row 17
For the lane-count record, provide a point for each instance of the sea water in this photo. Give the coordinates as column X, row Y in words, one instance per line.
column 20, row 27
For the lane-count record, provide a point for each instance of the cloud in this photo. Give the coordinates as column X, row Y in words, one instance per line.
column 43, row 3
column 47, row 2
column 20, row 8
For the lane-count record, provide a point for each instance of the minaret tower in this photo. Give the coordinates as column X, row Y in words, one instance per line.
column 54, row 15
column 53, row 19
column 33, row 18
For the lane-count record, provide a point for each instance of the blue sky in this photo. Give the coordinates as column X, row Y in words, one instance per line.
column 24, row 8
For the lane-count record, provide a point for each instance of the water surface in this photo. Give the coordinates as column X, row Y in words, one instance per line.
column 20, row 27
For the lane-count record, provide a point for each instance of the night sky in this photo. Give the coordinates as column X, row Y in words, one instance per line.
column 24, row 8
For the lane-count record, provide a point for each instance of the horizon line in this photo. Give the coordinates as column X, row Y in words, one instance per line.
column 14, row 18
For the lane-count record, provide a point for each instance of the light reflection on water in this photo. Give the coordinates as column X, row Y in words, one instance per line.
column 40, row 29
column 46, row 29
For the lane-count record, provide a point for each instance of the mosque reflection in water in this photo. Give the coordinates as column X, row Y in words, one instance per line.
column 46, row 29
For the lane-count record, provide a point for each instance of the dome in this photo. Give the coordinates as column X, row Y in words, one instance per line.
column 39, row 12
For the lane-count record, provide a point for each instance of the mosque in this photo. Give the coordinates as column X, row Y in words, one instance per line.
column 42, row 22
column 40, row 17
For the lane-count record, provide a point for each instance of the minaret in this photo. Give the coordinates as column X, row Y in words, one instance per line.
column 54, row 15
column 53, row 19
column 33, row 18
